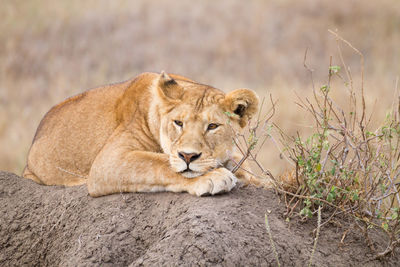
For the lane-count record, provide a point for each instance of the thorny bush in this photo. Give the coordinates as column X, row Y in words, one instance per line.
column 344, row 166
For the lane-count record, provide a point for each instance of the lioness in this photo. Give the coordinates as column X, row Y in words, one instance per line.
column 157, row 132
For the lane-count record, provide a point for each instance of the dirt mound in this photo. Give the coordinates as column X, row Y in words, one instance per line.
column 53, row 225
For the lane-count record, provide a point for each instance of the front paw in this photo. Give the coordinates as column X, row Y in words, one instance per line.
column 214, row 182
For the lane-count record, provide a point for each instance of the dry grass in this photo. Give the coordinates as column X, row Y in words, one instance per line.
column 348, row 165
column 50, row 50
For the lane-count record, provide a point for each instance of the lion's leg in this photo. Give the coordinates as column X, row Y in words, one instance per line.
column 133, row 171
column 30, row 175
column 118, row 168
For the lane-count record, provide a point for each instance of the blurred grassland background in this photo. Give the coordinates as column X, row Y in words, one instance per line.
column 50, row 50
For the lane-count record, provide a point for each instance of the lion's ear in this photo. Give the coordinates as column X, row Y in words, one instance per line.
column 168, row 88
column 243, row 103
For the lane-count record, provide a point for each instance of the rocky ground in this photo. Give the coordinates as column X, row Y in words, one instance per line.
column 63, row 226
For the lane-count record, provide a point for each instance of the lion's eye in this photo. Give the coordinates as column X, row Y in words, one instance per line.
column 212, row 126
column 179, row 123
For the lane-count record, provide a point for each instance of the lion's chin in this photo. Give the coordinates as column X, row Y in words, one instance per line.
column 191, row 174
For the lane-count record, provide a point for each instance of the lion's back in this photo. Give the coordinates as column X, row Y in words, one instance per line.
column 72, row 133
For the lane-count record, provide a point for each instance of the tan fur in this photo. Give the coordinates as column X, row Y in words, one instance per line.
column 125, row 138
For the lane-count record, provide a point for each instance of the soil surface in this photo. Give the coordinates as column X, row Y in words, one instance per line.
column 63, row 226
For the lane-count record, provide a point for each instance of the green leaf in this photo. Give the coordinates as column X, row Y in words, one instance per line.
column 325, row 144
column 333, row 188
column 306, row 212
column 355, row 196
column 318, row 167
column 324, row 88
column 333, row 171
column 330, row 197
column 334, row 69
column 368, row 134
column 385, row 226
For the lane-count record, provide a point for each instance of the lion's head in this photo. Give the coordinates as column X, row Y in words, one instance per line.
column 198, row 123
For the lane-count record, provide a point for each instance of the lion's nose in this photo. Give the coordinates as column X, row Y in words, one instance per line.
column 188, row 157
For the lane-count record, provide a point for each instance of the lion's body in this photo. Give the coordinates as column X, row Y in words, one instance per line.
column 72, row 134
column 116, row 138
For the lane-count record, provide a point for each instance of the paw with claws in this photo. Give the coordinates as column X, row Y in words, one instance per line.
column 215, row 182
